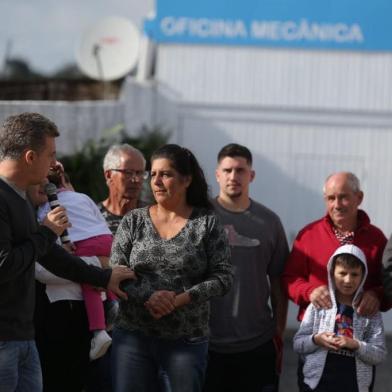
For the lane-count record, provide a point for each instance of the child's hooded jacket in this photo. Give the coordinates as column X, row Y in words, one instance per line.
column 368, row 331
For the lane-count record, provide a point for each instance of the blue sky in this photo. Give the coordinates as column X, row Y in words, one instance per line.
column 46, row 32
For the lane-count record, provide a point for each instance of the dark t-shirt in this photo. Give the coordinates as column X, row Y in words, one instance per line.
column 114, row 220
column 242, row 320
column 340, row 370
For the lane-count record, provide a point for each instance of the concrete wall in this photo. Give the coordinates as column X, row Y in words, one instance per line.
column 79, row 121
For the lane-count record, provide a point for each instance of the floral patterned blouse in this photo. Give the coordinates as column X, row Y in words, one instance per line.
column 196, row 260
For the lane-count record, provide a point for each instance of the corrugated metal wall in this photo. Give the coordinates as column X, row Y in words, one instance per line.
column 304, row 114
column 293, row 158
column 79, row 121
column 278, row 77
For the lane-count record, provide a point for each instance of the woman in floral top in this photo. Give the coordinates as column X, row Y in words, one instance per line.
column 180, row 255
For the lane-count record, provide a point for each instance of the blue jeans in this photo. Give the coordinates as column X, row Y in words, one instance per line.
column 20, row 369
column 150, row 364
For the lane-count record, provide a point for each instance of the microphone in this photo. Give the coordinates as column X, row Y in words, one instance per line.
column 51, row 192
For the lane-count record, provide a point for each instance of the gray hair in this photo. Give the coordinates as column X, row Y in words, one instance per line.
column 352, row 181
column 25, row 131
column 112, row 159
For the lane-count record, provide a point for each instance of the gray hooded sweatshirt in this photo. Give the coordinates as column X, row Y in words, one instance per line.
column 368, row 331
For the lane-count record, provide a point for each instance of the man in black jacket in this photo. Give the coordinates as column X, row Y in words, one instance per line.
column 27, row 151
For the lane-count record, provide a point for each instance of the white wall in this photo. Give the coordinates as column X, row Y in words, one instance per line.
column 306, row 79
column 304, row 114
column 79, row 121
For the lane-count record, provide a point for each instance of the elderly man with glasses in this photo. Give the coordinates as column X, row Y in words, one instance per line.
column 124, row 170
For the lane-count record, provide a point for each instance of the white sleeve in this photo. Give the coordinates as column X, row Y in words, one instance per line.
column 372, row 349
column 42, row 211
column 303, row 339
column 46, row 277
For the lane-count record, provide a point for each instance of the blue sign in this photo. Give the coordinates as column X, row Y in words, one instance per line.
column 330, row 24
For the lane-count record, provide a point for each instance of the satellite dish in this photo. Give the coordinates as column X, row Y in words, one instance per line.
column 109, row 50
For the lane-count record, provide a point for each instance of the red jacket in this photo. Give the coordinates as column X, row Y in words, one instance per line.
column 306, row 268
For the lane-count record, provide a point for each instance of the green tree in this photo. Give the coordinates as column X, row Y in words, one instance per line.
column 20, row 69
column 85, row 166
column 68, row 71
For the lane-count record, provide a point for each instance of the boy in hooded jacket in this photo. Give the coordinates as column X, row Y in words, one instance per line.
column 338, row 346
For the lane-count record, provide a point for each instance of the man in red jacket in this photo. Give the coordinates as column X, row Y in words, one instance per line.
column 305, row 275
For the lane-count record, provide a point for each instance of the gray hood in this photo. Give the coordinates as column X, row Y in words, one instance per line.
column 352, row 250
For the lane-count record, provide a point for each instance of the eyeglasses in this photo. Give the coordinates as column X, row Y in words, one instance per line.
column 131, row 174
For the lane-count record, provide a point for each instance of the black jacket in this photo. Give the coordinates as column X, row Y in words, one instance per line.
column 22, row 243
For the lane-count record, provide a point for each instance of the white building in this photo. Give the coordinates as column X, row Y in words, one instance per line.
column 304, row 112
column 307, row 89
column 306, row 102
